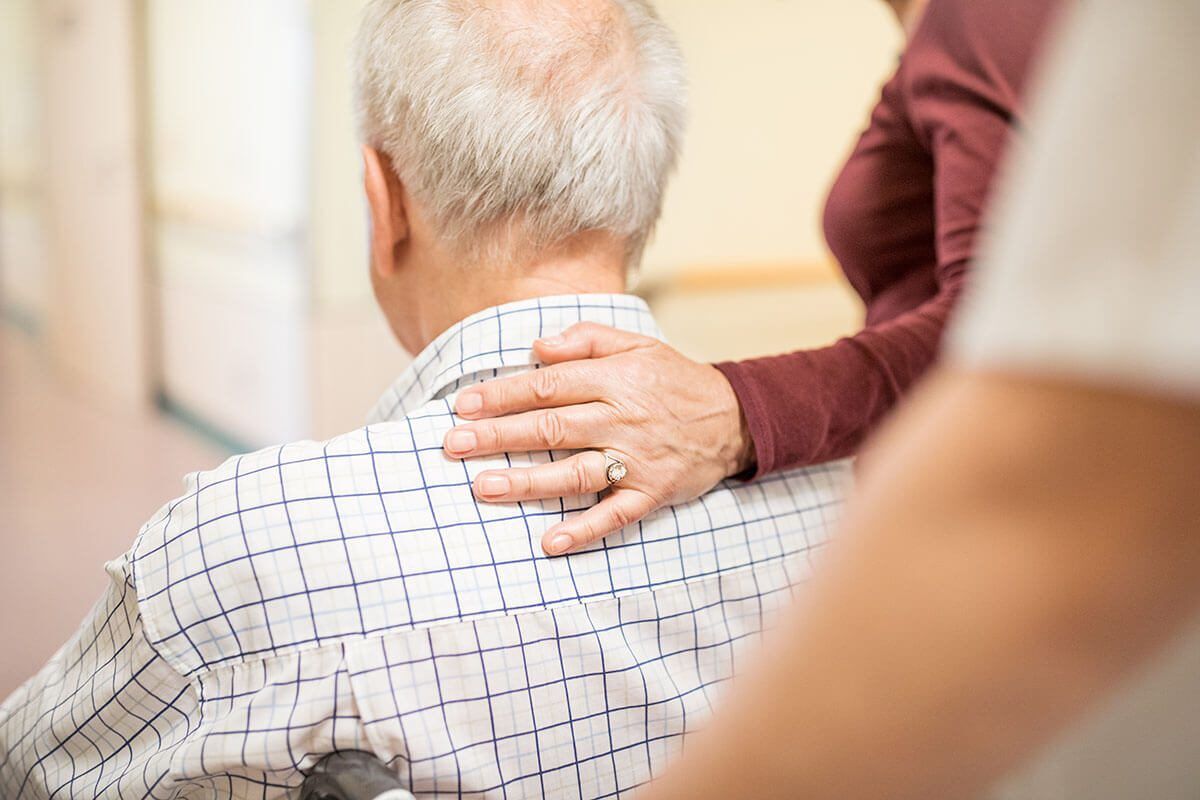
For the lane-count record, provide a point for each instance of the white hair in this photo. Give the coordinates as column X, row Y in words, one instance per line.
column 521, row 123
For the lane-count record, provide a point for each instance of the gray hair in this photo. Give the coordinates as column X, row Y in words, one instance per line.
column 524, row 122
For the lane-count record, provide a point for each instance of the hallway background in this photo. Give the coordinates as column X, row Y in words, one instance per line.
column 182, row 261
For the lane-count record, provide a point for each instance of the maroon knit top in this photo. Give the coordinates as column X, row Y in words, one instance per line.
column 902, row 219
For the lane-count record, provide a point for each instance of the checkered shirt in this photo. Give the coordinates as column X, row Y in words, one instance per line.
column 352, row 594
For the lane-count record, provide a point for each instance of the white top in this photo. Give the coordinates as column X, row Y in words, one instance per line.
column 1093, row 268
column 351, row 594
column 1093, row 273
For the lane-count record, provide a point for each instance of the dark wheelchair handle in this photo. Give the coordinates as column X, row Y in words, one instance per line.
column 352, row 775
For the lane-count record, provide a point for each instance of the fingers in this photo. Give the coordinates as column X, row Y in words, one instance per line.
column 561, row 385
column 620, row 509
column 587, row 340
column 558, row 385
column 571, row 428
column 583, row 473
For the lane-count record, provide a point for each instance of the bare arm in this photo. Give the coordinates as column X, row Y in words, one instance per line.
column 1016, row 548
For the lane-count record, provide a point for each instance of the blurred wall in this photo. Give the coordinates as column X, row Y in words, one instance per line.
column 354, row 356
column 778, row 93
column 97, row 321
column 71, row 264
column 228, row 98
column 256, row 320
column 22, row 223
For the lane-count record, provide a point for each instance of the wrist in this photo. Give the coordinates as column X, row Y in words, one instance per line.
column 745, row 458
column 737, row 452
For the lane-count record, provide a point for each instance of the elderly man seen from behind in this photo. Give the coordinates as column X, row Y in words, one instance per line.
column 352, row 594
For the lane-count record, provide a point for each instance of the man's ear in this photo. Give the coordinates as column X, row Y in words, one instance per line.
column 389, row 218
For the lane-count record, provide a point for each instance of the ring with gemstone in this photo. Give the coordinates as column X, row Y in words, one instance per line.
column 614, row 469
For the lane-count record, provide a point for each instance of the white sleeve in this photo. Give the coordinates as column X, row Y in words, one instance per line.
column 106, row 715
column 1092, row 269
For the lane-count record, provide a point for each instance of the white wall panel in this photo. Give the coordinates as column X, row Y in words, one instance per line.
column 234, row 334
column 229, row 85
column 22, row 223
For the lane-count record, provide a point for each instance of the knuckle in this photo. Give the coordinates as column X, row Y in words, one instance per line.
column 640, row 374
column 544, row 385
column 522, row 482
column 490, row 435
column 611, row 415
column 504, row 394
column 621, row 517
column 495, row 395
column 550, row 430
column 591, row 532
column 579, row 480
column 641, row 416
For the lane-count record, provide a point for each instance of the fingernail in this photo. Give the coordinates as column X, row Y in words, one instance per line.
column 469, row 403
column 553, row 341
column 560, row 544
column 493, row 485
column 461, row 441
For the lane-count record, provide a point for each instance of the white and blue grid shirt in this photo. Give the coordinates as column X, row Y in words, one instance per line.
column 352, row 594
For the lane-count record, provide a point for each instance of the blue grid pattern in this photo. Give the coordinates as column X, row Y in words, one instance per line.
column 352, row 594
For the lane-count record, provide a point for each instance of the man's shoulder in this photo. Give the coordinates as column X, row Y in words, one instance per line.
column 270, row 536
column 372, row 459
column 377, row 531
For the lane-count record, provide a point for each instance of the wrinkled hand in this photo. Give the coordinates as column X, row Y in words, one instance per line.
column 675, row 423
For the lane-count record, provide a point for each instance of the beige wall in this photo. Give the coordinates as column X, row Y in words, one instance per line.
column 778, row 93
column 353, row 356
column 339, row 219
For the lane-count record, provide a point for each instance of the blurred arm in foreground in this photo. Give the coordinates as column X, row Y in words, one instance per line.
column 1028, row 530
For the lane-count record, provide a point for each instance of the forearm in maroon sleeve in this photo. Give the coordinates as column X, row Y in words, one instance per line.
column 811, row 406
column 951, row 107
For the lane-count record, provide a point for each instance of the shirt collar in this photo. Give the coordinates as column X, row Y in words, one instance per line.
column 499, row 340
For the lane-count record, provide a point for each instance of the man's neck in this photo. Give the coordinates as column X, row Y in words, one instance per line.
column 469, row 290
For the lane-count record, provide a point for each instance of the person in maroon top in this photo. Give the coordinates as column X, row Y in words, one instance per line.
column 902, row 219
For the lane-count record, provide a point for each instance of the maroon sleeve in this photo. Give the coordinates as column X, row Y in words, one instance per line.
column 962, row 76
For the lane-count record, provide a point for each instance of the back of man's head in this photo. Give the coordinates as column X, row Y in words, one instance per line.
column 518, row 124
